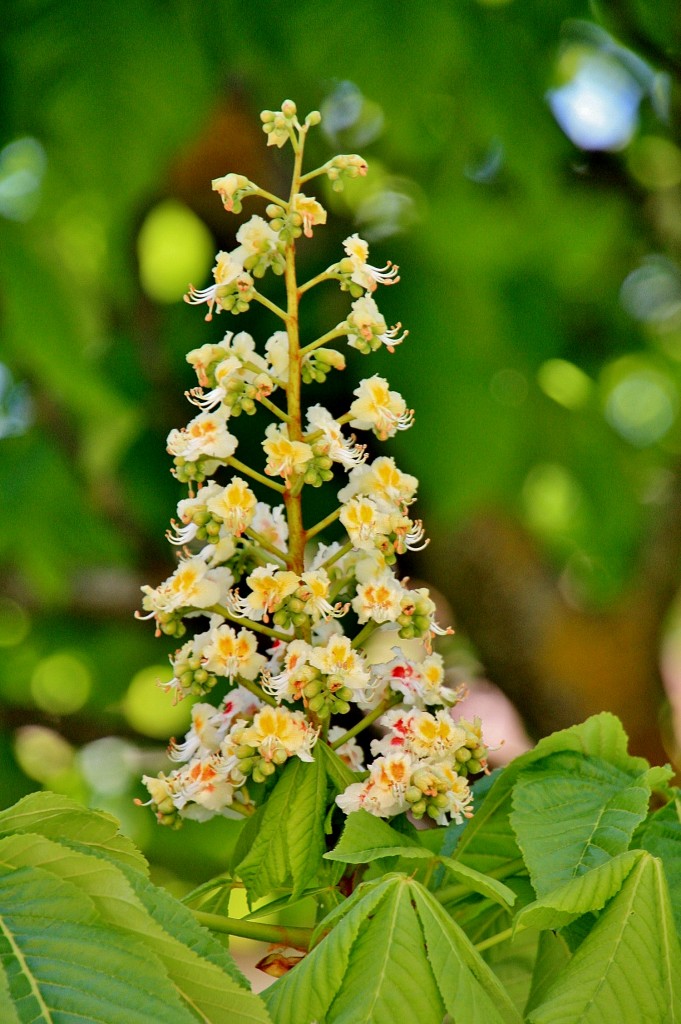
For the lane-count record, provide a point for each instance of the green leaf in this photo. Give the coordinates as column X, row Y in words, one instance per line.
column 572, row 813
column 288, row 845
column 392, row 954
column 306, row 992
column 61, row 964
column 660, row 834
column 366, row 838
column 513, row 963
column 8, row 1014
column 55, row 816
column 483, row 884
column 628, row 968
column 338, row 772
column 200, row 969
column 552, row 956
column 585, row 894
column 469, row 988
column 488, row 842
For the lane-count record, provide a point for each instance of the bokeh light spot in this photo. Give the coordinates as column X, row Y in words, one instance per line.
column 149, row 710
column 15, row 623
column 652, row 293
column 655, row 162
column 108, row 765
column 42, row 753
column 565, row 383
column 640, row 402
column 61, row 683
column 552, row 499
column 174, row 247
column 22, row 166
column 597, row 106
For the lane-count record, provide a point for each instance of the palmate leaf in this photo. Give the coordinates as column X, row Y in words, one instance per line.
column 392, row 954
column 586, row 894
column 488, row 841
column 60, row 964
column 660, row 834
column 552, row 956
column 199, row 968
column 59, row 817
column 367, row 838
column 628, row 968
column 571, row 813
column 283, row 843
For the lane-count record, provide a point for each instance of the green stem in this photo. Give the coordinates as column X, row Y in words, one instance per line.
column 272, row 306
column 337, row 332
column 292, row 497
column 314, row 174
column 257, row 627
column 273, row 408
column 265, row 544
column 327, row 275
column 243, row 468
column 272, row 198
column 258, row 370
column 299, row 938
column 364, row 634
column 494, row 940
column 368, row 720
column 258, row 692
column 452, row 893
column 323, row 523
column 339, row 554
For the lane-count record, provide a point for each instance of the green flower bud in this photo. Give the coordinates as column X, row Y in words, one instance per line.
column 317, row 703
column 279, row 756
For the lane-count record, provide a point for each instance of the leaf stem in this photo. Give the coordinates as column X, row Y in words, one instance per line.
column 272, row 306
column 323, row 523
column 299, row 938
column 257, row 691
column 243, row 468
column 327, row 275
column 336, row 332
column 273, row 408
column 368, row 720
column 220, row 609
column 265, row 544
column 494, row 940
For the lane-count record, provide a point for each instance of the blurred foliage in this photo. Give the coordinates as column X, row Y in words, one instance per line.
column 541, row 285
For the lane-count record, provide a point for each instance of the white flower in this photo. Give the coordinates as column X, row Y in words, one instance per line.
column 192, row 585
column 230, row 653
column 381, row 480
column 271, row 524
column 279, row 729
column 361, row 272
column 332, row 442
column 379, row 598
column 234, row 505
column 379, row 409
column 310, row 210
column 229, row 274
column 368, row 329
column 257, row 239
column 284, row 457
column 276, row 347
column 338, row 660
column 205, row 435
column 383, row 793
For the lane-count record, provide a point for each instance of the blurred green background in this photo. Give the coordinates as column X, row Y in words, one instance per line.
column 525, row 173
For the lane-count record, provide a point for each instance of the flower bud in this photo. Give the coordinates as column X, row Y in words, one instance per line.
column 288, row 108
